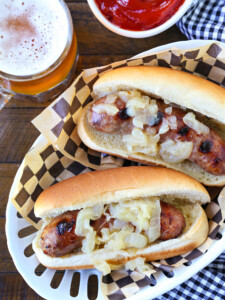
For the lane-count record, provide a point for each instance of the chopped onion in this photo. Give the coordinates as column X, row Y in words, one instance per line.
column 106, row 235
column 131, row 111
column 172, row 122
column 136, row 240
column 154, row 229
column 119, row 224
column 83, row 227
column 137, row 102
column 142, row 109
column 134, row 263
column 138, row 123
column 152, row 145
column 124, row 96
column 166, row 101
column 175, row 152
column 136, row 138
column 110, row 98
column 143, row 116
column 147, row 98
column 109, row 109
column 116, row 241
column 136, row 223
column 145, row 268
column 97, row 211
column 152, row 108
column 139, row 265
column 151, row 121
column 190, row 120
column 138, row 133
column 164, row 126
column 150, row 130
column 101, row 265
column 141, row 142
column 88, row 244
column 168, row 110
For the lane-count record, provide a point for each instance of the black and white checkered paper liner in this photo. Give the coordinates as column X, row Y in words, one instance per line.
column 61, row 154
column 205, row 19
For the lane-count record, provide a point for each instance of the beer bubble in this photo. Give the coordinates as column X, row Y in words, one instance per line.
column 29, row 29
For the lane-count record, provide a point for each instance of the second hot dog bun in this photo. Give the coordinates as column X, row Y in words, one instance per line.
column 204, row 98
column 118, row 185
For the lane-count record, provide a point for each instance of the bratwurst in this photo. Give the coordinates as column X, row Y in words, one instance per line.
column 208, row 149
column 129, row 197
column 58, row 237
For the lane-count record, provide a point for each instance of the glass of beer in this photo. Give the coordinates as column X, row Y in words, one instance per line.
column 38, row 49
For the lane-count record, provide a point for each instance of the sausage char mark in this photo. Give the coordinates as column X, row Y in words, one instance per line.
column 159, row 118
column 64, row 226
column 123, row 114
column 58, row 237
column 183, row 131
column 206, row 146
column 208, row 150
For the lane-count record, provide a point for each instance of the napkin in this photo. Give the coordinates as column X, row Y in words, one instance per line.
column 204, row 20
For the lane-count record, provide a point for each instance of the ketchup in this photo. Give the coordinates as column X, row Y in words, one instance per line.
column 138, row 14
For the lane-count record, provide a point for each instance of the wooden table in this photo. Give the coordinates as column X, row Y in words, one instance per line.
column 97, row 46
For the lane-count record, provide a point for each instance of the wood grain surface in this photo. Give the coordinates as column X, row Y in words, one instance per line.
column 97, row 46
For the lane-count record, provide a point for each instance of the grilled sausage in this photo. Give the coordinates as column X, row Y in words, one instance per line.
column 58, row 237
column 172, row 221
column 208, row 150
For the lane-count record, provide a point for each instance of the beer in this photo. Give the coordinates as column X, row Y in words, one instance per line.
column 38, row 47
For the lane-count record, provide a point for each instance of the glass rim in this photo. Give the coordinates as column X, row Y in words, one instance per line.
column 53, row 66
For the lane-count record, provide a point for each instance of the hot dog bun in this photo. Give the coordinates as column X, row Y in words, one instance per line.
column 204, row 98
column 117, row 185
column 197, row 93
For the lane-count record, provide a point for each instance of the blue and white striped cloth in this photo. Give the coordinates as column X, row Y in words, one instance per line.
column 204, row 20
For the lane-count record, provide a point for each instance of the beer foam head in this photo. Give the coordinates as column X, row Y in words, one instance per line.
column 33, row 35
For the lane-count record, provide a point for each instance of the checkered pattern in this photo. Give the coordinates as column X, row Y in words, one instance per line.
column 49, row 167
column 204, row 20
column 44, row 165
column 123, row 284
